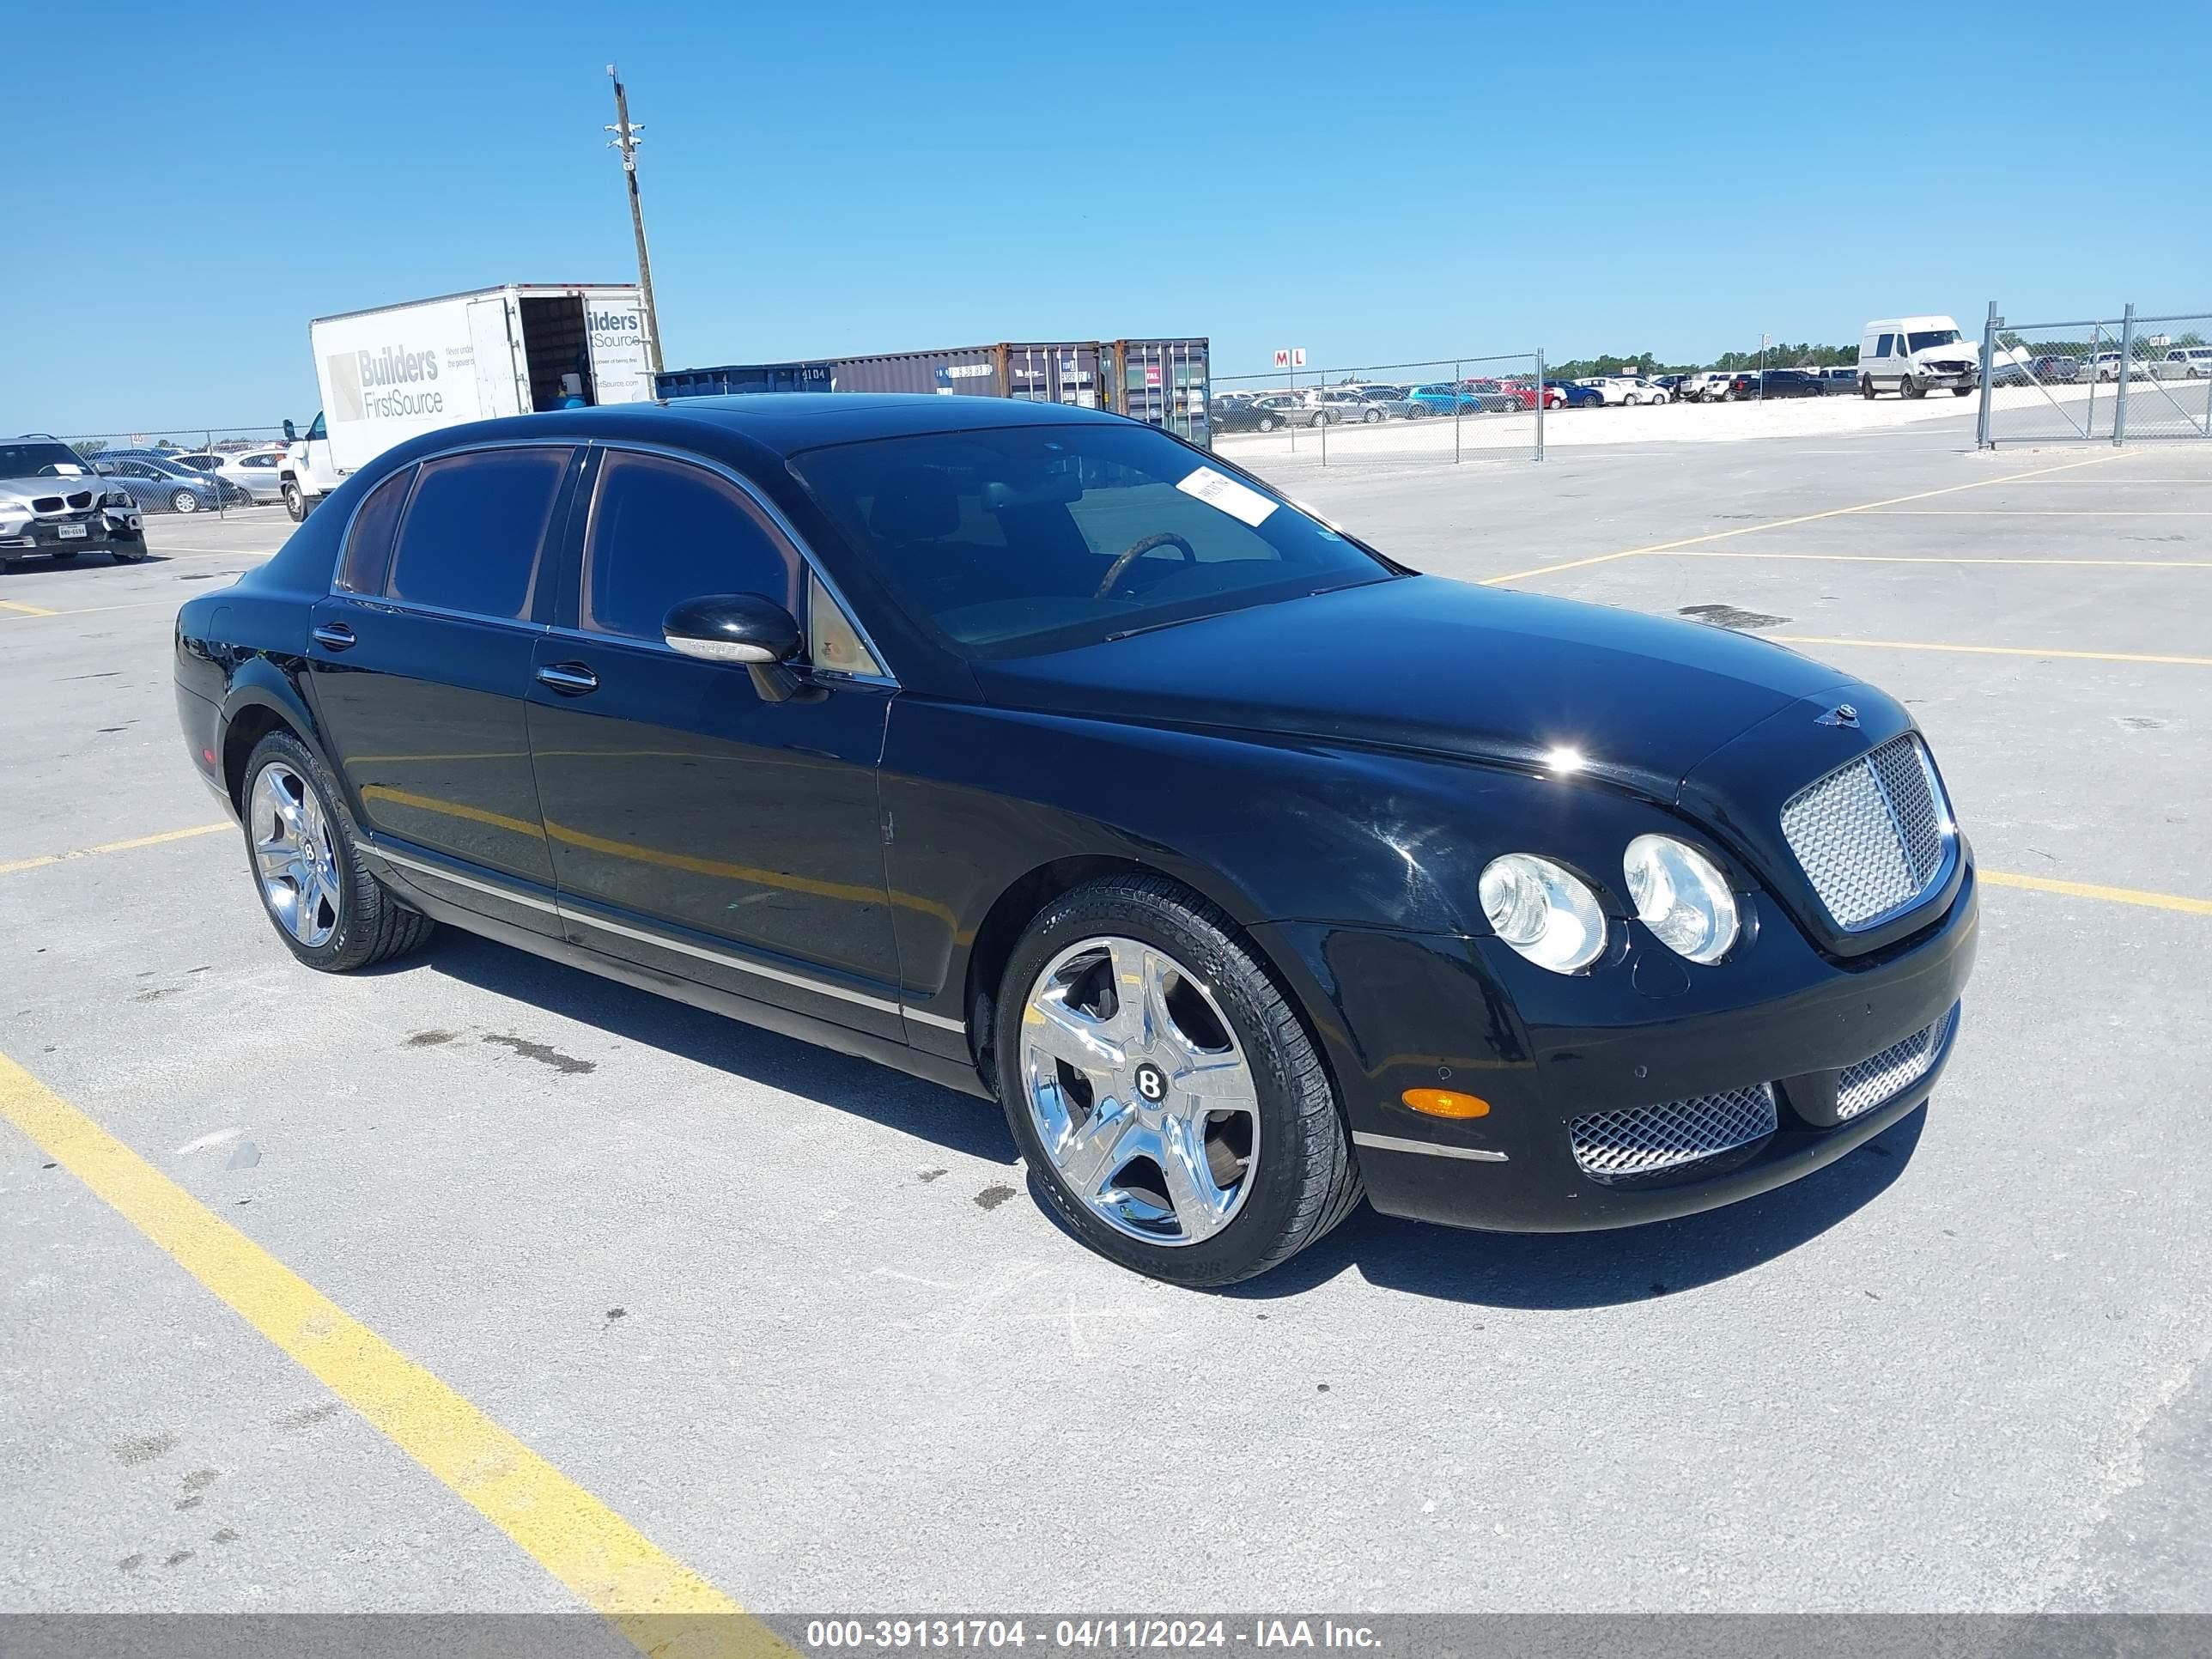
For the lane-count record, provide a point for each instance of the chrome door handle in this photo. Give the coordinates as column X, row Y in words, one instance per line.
column 335, row 636
column 570, row 678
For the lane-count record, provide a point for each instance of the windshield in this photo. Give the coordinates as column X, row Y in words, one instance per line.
column 1930, row 337
column 1021, row 539
column 41, row 459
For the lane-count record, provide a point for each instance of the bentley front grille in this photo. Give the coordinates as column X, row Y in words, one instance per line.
column 1874, row 835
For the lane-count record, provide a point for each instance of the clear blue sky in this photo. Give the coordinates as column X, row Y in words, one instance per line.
column 1370, row 180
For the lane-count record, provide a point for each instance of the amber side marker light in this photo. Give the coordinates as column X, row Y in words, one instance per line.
column 1446, row 1102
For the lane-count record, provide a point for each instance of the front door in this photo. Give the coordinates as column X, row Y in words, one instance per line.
column 420, row 659
column 696, row 829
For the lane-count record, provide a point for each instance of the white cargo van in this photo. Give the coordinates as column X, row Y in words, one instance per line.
column 400, row 371
column 1912, row 356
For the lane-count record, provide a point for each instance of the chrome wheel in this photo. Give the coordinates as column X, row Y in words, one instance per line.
column 184, row 501
column 293, row 855
column 1139, row 1090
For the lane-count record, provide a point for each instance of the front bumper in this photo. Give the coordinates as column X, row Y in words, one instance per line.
column 98, row 530
column 1398, row 1012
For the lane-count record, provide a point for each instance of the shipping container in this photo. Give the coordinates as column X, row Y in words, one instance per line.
column 1160, row 381
column 735, row 378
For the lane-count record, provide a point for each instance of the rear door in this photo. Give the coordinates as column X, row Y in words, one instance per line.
column 696, row 829
column 421, row 659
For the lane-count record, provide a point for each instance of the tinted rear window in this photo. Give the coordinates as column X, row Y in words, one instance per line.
column 473, row 529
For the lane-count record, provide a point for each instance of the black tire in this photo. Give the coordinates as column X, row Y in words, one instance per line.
column 373, row 924
column 183, row 500
column 1909, row 387
column 1306, row 1180
column 1866, row 388
column 295, row 502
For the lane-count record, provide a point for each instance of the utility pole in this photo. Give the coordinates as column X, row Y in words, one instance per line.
column 626, row 141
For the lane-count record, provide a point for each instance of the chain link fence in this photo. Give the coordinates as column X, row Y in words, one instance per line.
column 1434, row 413
column 2119, row 380
column 186, row 470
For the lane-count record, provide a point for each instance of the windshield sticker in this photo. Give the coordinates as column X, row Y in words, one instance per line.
column 1236, row 500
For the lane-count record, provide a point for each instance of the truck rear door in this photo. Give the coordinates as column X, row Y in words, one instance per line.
column 502, row 388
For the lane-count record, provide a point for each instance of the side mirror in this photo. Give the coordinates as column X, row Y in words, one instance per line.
column 291, row 433
column 739, row 628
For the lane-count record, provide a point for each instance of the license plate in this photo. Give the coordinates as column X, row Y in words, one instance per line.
column 71, row 531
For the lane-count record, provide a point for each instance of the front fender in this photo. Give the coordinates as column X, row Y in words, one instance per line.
column 1271, row 829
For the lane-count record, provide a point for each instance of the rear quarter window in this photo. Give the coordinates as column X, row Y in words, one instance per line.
column 367, row 560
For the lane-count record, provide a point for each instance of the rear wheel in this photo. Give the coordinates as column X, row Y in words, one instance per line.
column 1866, row 388
column 329, row 910
column 1163, row 1092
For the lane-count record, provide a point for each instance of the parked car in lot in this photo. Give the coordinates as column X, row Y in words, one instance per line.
column 251, row 472
column 1707, row 386
column 2187, row 363
column 1441, row 399
column 1573, row 395
column 1492, row 397
column 1248, row 415
column 1334, row 408
column 54, row 506
column 1599, row 918
column 1838, row 381
column 1628, row 388
column 157, row 487
column 1759, row 384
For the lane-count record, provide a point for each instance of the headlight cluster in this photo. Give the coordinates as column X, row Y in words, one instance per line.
column 1553, row 916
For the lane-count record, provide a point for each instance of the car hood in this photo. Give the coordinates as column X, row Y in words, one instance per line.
column 1428, row 665
column 26, row 488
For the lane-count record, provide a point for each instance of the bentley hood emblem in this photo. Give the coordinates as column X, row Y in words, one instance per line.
column 1842, row 715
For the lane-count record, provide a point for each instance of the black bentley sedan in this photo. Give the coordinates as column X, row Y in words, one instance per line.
column 1032, row 750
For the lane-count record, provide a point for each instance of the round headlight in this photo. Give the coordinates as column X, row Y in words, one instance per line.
column 1681, row 897
column 1544, row 911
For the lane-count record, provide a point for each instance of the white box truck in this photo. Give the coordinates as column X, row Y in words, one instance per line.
column 399, row 371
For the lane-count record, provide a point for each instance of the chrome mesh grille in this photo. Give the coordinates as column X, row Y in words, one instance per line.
column 1649, row 1139
column 1871, row 836
column 1896, row 1068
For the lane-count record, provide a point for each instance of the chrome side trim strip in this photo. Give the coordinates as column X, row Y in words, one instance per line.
column 528, row 901
column 724, row 959
column 1398, row 1144
column 938, row 1020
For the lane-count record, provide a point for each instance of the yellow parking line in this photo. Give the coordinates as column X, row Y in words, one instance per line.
column 1992, row 650
column 25, row 609
column 1807, row 518
column 28, row 612
column 133, row 843
column 2193, row 907
column 660, row 1604
column 1935, row 558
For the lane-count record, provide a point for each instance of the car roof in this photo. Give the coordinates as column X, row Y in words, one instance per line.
column 787, row 422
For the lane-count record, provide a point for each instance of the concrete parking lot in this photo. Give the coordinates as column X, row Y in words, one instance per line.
column 482, row 1284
